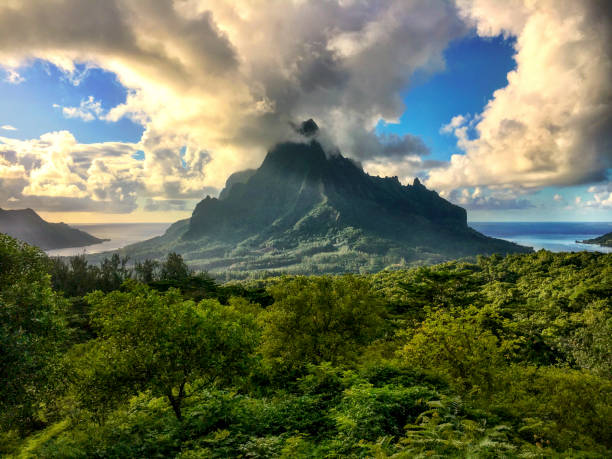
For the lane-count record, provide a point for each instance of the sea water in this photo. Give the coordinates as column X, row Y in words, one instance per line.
column 120, row 235
column 553, row 236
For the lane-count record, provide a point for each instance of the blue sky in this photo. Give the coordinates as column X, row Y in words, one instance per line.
column 475, row 68
column 29, row 106
column 210, row 98
column 431, row 101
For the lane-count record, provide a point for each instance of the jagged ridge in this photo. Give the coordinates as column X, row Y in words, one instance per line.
column 305, row 211
column 295, row 178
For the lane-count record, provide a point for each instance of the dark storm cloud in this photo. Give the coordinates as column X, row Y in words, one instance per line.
column 394, row 145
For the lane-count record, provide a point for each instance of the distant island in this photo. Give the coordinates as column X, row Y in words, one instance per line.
column 605, row 240
column 26, row 225
column 305, row 210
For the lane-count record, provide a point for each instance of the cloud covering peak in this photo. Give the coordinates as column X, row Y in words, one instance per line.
column 216, row 83
column 223, row 79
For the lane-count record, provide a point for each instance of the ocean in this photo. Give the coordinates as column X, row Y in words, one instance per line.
column 553, row 236
column 120, row 235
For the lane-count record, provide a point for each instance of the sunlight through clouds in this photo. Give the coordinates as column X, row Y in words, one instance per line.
column 215, row 84
column 551, row 124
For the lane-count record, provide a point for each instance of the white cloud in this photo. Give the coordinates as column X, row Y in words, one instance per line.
column 551, row 124
column 224, row 78
column 88, row 110
column 454, row 124
column 13, row 77
column 602, row 196
column 406, row 168
column 221, row 80
column 8, row 127
column 55, row 172
column 481, row 198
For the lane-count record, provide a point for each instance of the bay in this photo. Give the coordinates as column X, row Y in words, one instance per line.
column 120, row 235
column 553, row 236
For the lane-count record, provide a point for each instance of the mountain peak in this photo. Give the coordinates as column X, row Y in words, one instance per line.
column 305, row 208
column 296, row 177
column 294, row 158
column 307, row 128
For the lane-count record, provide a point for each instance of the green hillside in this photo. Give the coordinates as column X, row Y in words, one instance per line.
column 26, row 225
column 605, row 240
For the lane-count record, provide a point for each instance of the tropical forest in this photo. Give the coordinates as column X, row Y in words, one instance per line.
column 495, row 357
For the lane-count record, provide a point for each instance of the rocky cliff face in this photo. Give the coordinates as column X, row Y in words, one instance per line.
column 297, row 179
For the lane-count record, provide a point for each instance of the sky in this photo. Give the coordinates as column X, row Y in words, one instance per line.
column 134, row 110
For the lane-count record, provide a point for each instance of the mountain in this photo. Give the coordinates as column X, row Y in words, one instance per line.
column 306, row 211
column 605, row 240
column 26, row 225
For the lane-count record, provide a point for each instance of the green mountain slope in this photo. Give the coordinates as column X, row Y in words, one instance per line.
column 26, row 225
column 605, row 240
column 305, row 211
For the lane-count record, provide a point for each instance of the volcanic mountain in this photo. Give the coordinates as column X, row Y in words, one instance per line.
column 305, row 211
column 28, row 226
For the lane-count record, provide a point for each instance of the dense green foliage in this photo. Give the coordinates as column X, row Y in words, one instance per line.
column 320, row 319
column 160, row 342
column 505, row 357
column 32, row 333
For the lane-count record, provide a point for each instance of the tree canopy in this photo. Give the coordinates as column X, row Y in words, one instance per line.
column 155, row 341
column 32, row 332
column 498, row 357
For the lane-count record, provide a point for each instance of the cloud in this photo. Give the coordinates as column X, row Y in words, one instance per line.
column 483, row 199
column 602, row 196
column 8, row 127
column 405, row 168
column 551, row 124
column 153, row 205
column 13, row 77
column 216, row 83
column 55, row 172
column 455, row 123
column 88, row 110
column 398, row 146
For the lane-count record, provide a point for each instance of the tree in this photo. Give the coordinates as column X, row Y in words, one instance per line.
column 591, row 344
column 113, row 272
column 32, row 331
column 76, row 277
column 433, row 287
column 155, row 341
column 318, row 319
column 174, row 268
column 455, row 343
column 146, row 271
